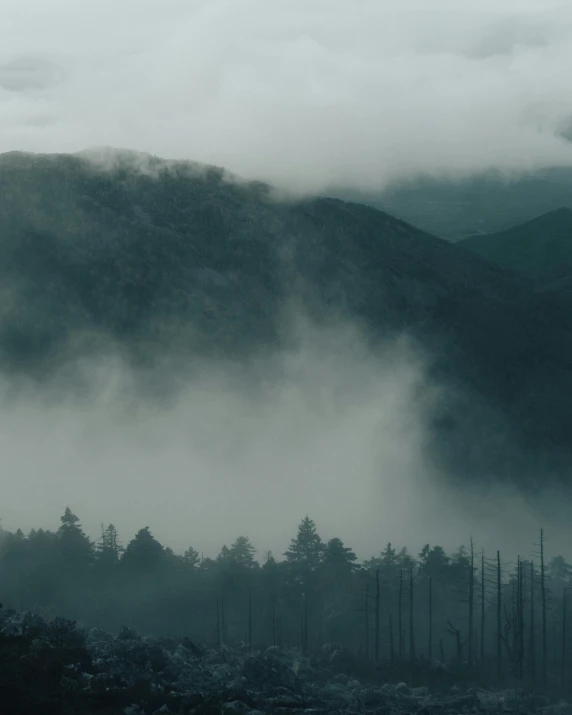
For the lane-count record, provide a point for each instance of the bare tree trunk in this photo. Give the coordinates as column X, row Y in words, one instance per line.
column 520, row 602
column 223, row 620
column 411, row 623
column 400, row 615
column 499, row 618
column 532, row 633
column 367, row 619
column 377, row 613
column 430, row 645
column 217, row 623
column 249, row 619
column 471, row 604
column 306, row 623
column 564, row 639
column 482, row 606
column 391, row 640
column 543, row 603
column 274, row 618
column 521, row 621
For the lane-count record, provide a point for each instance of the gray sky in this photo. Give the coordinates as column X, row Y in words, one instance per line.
column 305, row 94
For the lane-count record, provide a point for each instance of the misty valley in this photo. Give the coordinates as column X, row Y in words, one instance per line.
column 331, row 450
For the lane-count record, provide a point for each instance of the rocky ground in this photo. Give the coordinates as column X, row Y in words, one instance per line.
column 57, row 668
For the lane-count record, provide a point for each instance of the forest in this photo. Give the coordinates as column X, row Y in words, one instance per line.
column 491, row 617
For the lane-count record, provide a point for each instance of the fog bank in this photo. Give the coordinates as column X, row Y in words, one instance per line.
column 306, row 96
column 330, row 428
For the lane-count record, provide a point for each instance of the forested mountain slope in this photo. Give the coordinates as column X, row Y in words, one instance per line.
column 540, row 249
column 169, row 259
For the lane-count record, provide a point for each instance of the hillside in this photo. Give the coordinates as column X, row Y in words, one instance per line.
column 540, row 249
column 176, row 259
column 489, row 203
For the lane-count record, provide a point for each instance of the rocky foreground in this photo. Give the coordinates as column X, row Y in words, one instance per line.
column 52, row 668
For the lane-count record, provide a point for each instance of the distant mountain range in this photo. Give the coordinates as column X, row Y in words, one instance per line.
column 175, row 260
column 540, row 249
column 489, row 203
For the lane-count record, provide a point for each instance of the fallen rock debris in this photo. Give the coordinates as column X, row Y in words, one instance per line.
column 56, row 667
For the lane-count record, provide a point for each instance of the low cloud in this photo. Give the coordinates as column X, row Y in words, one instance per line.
column 307, row 96
column 330, row 427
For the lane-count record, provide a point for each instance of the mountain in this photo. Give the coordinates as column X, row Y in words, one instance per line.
column 171, row 260
column 488, row 203
column 540, row 249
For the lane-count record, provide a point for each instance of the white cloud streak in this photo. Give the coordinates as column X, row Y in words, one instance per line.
column 304, row 94
column 329, row 428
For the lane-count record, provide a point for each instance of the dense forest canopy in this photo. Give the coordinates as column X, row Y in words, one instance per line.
column 395, row 606
column 163, row 262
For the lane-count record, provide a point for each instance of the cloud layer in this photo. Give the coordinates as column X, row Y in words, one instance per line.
column 329, row 428
column 306, row 95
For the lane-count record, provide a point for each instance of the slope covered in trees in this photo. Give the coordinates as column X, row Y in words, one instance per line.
column 455, row 208
column 540, row 249
column 490, row 615
column 165, row 261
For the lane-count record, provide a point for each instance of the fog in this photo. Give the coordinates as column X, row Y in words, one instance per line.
column 330, row 427
column 306, row 96
column 309, row 97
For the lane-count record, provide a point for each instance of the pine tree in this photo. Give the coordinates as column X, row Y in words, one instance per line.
column 191, row 557
column 242, row 552
column 75, row 548
column 306, row 550
column 336, row 554
column 143, row 554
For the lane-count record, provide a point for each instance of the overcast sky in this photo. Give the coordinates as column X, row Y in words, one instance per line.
column 304, row 93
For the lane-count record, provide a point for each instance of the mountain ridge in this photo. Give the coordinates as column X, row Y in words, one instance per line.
column 540, row 249
column 185, row 262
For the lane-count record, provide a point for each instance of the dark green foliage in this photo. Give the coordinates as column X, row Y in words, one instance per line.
column 312, row 600
column 175, row 261
column 492, row 202
column 306, row 551
column 540, row 250
column 143, row 554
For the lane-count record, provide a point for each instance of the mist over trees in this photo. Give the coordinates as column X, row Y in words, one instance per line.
column 486, row 614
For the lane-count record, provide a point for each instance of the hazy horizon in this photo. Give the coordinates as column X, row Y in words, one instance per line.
column 331, row 428
column 305, row 97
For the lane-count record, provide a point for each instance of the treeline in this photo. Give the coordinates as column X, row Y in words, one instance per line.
column 487, row 616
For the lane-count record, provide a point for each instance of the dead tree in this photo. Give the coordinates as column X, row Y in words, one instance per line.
column 520, row 610
column 430, row 644
column 304, row 623
column 400, row 615
column 532, row 645
column 223, row 620
column 459, row 643
column 564, row 639
column 218, row 624
column 366, row 609
column 471, row 604
column 482, row 606
column 411, row 623
column 249, row 619
column 509, row 628
column 499, row 618
column 543, row 606
column 377, row 609
column 274, row 633
column 391, row 640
